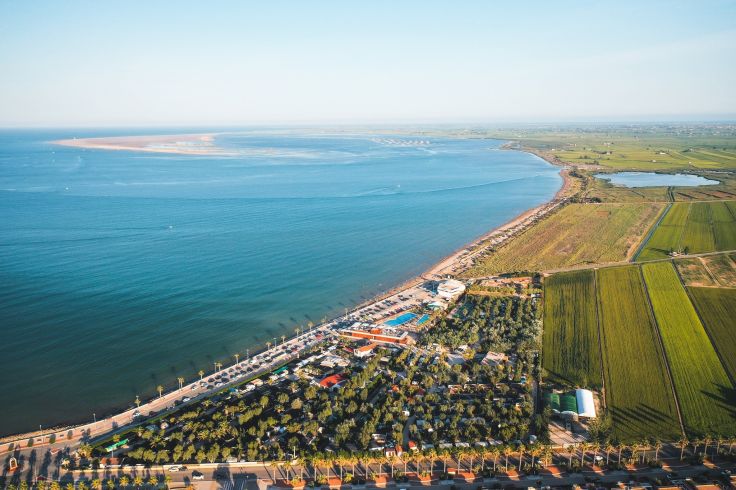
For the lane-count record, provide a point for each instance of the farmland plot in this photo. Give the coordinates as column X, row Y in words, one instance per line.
column 638, row 389
column 717, row 309
column 703, row 389
column 571, row 352
column 698, row 227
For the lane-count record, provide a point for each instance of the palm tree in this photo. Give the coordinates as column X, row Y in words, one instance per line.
column 153, row 481
column 137, row 401
column 683, row 443
column 96, row 484
column 201, row 374
column 237, row 357
column 657, row 447
column 495, row 453
column 124, row 481
column 583, row 450
column 521, row 455
column 507, row 451
column 534, row 451
column 274, row 466
column 160, row 390
column 706, row 441
column 570, row 451
column 283, row 339
column 110, row 484
column 167, row 480
column 609, row 448
column 138, row 481
column 621, row 447
column 181, row 382
column 268, row 345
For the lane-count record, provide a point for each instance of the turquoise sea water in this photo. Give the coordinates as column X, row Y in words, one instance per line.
column 652, row 179
column 120, row 270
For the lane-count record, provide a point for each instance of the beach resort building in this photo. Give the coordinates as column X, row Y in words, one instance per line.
column 450, row 289
column 368, row 331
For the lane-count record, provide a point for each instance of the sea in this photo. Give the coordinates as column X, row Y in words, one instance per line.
column 123, row 270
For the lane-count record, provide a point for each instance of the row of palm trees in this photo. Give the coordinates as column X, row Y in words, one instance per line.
column 481, row 459
column 123, row 483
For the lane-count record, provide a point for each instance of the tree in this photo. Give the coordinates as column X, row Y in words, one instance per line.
column 160, row 390
column 201, row 374
column 181, row 382
column 657, row 447
column 138, row 481
column 124, row 481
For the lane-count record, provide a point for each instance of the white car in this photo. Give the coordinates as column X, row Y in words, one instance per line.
column 196, row 475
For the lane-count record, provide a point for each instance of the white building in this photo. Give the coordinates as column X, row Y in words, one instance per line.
column 586, row 405
column 450, row 288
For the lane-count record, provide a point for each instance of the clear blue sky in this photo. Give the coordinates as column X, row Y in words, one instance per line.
column 234, row 62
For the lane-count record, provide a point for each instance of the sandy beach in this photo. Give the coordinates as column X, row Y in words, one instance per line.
column 181, row 144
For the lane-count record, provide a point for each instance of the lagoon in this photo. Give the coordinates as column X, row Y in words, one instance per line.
column 652, row 179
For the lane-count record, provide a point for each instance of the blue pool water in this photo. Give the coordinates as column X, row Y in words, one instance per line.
column 424, row 318
column 120, row 271
column 402, row 319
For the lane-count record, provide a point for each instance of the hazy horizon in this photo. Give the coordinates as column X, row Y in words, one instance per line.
column 81, row 64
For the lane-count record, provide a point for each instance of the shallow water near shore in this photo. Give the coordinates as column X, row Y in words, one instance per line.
column 121, row 270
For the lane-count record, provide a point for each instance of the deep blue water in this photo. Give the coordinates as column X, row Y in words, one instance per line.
column 120, row 270
column 652, row 179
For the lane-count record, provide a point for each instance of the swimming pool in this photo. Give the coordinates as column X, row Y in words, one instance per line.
column 400, row 320
column 424, row 318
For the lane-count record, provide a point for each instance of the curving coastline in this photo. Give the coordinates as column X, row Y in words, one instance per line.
column 452, row 264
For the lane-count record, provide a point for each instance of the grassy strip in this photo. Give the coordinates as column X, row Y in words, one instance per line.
column 638, row 390
column 571, row 352
column 703, row 389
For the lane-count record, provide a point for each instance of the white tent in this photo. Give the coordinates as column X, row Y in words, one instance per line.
column 586, row 406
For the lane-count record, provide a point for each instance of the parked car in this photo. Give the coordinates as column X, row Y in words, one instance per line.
column 197, row 475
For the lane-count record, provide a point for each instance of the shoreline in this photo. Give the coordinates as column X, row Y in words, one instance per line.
column 453, row 264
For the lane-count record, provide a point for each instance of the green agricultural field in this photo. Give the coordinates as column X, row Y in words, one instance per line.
column 571, row 352
column 697, row 227
column 638, row 390
column 703, row 389
column 717, row 309
column 577, row 234
column 668, row 234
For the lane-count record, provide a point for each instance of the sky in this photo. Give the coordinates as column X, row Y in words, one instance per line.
column 91, row 63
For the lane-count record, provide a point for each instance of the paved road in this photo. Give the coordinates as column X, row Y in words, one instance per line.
column 47, row 464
